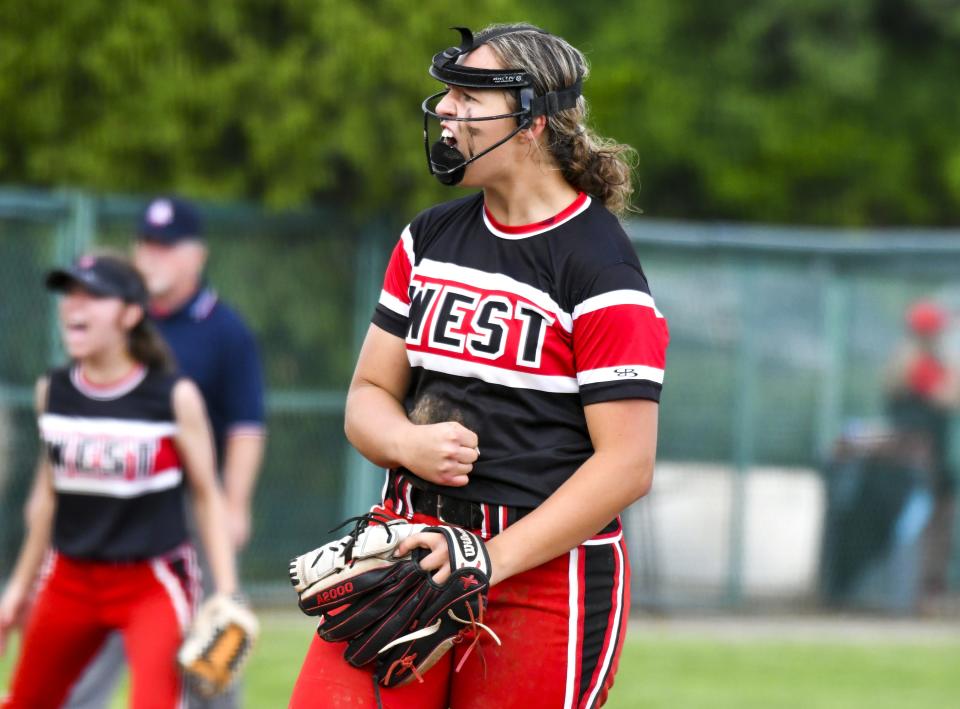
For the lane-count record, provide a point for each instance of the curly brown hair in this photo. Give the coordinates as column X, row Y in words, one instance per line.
column 599, row 166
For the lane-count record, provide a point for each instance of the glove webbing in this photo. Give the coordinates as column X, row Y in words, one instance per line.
column 475, row 624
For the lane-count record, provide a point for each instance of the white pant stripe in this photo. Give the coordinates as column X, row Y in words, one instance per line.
column 573, row 660
column 181, row 605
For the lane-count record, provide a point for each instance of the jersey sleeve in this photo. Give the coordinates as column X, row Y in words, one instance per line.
column 619, row 338
column 393, row 308
column 243, row 397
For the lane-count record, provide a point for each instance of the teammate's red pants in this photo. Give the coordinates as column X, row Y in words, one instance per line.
column 562, row 625
column 151, row 602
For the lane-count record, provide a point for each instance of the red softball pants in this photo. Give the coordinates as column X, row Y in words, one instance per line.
column 150, row 602
column 562, row 625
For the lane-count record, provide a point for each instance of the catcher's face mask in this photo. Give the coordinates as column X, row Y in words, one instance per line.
column 444, row 161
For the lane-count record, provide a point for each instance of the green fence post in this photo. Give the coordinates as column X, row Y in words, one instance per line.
column 743, row 430
column 363, row 483
column 836, row 311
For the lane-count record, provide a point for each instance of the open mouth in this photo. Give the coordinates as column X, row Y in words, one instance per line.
column 77, row 326
column 448, row 138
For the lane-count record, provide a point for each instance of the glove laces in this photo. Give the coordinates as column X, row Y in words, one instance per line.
column 474, row 623
column 361, row 523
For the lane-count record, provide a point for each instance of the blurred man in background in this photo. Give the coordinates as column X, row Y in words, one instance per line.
column 213, row 347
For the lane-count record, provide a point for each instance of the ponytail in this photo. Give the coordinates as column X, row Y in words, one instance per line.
column 598, row 166
column 601, row 167
column 147, row 346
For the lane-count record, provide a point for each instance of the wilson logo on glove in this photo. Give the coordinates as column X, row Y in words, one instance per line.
column 466, row 543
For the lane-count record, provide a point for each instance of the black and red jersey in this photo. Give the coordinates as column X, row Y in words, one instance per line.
column 513, row 330
column 116, row 471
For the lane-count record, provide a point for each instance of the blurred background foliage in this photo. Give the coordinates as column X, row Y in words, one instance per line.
column 297, row 127
column 759, row 110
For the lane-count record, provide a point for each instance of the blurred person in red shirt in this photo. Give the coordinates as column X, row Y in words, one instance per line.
column 923, row 392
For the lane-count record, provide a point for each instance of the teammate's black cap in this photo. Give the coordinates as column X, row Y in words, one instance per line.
column 167, row 220
column 101, row 275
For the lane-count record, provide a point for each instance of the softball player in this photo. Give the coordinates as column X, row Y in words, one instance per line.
column 119, row 437
column 509, row 382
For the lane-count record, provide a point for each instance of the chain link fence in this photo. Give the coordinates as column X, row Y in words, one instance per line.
column 779, row 341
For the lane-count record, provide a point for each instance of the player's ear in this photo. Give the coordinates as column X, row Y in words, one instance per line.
column 536, row 128
column 131, row 316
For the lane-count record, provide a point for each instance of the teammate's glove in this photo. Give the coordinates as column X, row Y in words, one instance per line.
column 217, row 645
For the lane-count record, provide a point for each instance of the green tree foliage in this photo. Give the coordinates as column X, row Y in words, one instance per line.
column 278, row 100
column 808, row 112
column 777, row 110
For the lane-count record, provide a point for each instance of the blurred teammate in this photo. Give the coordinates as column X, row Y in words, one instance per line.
column 510, row 381
column 120, row 436
column 922, row 396
column 214, row 348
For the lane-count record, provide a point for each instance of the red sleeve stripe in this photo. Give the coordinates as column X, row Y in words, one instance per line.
column 616, row 297
column 391, row 302
column 620, row 335
column 620, row 373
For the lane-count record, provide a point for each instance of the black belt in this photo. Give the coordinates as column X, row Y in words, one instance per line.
column 462, row 513
column 452, row 510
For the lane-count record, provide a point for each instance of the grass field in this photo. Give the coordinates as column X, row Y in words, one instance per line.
column 666, row 669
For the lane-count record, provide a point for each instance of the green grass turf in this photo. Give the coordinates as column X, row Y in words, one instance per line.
column 664, row 672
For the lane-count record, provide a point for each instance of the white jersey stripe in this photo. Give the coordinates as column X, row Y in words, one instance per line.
column 573, row 629
column 533, row 232
column 616, row 297
column 599, row 541
column 493, row 282
column 493, row 375
column 112, row 428
column 120, row 488
column 391, row 302
column 407, row 495
column 406, row 238
column 620, row 373
column 108, row 393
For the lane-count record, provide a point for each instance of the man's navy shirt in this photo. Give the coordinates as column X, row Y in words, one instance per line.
column 215, row 349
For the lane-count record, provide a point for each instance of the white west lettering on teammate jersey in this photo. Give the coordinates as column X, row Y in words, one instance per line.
column 112, row 457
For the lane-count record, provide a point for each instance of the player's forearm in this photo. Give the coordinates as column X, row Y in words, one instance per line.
column 242, row 458
column 212, row 519
column 35, row 544
column 600, row 489
column 375, row 424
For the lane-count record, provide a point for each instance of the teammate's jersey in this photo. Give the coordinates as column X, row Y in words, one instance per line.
column 513, row 330
column 116, row 472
